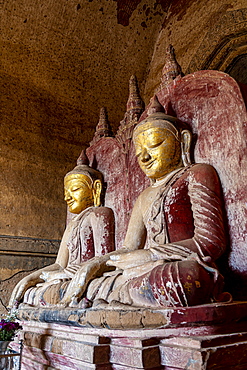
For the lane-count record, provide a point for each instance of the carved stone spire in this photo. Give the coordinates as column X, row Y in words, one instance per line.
column 103, row 128
column 134, row 100
column 171, row 68
column 135, row 107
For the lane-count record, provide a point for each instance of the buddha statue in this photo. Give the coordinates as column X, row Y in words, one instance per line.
column 89, row 234
column 176, row 230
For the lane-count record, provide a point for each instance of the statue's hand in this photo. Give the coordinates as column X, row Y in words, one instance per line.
column 131, row 259
column 54, row 275
column 79, row 282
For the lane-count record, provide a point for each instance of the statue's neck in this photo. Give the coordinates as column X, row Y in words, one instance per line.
column 166, row 178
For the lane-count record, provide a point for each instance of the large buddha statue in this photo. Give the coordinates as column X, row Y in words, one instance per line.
column 175, row 233
column 89, row 234
column 176, row 230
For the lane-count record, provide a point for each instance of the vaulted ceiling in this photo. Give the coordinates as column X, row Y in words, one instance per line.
column 62, row 60
column 65, row 59
column 72, row 57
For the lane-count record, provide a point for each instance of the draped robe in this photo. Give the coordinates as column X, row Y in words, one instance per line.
column 181, row 219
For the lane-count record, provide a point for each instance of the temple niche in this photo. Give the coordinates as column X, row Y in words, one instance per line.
column 146, row 336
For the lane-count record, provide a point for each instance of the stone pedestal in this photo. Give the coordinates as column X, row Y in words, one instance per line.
column 205, row 352
column 194, row 338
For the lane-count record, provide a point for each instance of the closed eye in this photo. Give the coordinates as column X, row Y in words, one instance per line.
column 156, row 144
column 75, row 189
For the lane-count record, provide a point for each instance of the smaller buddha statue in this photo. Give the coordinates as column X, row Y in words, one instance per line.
column 88, row 235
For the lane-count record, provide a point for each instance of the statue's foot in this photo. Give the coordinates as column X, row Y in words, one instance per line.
column 100, row 303
column 123, row 306
column 85, row 303
column 25, row 305
column 62, row 304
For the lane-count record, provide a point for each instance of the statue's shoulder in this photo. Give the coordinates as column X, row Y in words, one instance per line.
column 204, row 174
column 105, row 212
column 202, row 168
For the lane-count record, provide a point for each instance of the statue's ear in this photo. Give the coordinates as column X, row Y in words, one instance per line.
column 97, row 188
column 186, row 139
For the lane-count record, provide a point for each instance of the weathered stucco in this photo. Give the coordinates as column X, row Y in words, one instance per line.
column 61, row 61
column 206, row 35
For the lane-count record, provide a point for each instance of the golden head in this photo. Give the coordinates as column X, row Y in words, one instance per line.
column 82, row 188
column 162, row 145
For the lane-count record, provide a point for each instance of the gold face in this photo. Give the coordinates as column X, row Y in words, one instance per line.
column 78, row 193
column 157, row 150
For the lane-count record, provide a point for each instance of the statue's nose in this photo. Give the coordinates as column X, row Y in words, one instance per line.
column 145, row 157
column 67, row 196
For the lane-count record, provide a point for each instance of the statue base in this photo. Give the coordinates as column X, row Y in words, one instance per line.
column 203, row 337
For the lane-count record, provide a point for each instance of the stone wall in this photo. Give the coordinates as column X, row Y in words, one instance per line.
column 62, row 61
column 206, row 35
column 39, row 143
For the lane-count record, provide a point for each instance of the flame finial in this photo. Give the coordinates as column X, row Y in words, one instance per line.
column 155, row 106
column 82, row 159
